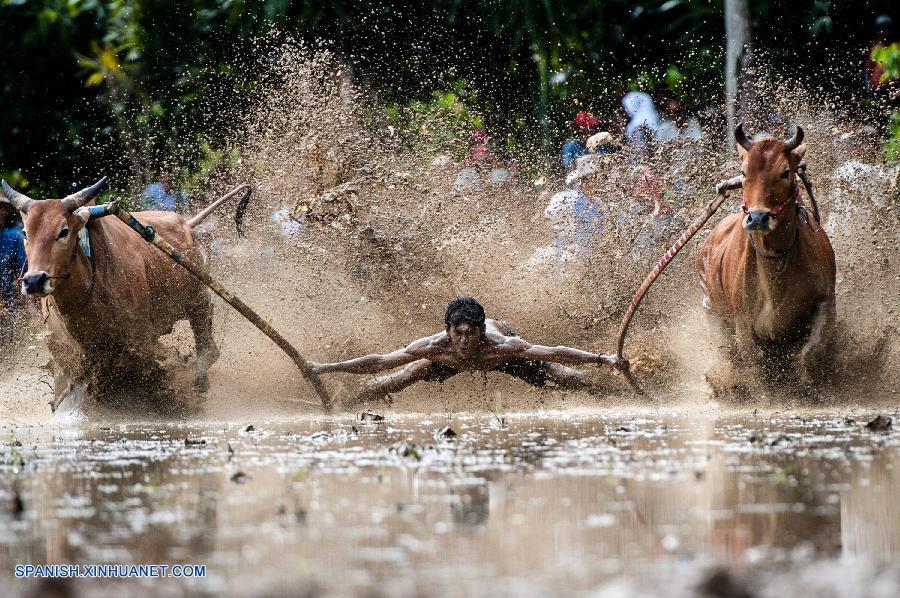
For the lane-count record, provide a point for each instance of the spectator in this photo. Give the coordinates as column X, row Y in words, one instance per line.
column 12, row 254
column 575, row 217
column 482, row 158
column 657, row 216
column 480, row 151
column 643, row 119
column 163, row 196
column 586, row 126
column 668, row 126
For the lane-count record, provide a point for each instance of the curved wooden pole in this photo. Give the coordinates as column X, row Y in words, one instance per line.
column 148, row 233
column 721, row 194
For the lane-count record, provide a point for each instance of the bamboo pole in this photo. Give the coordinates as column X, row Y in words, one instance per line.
column 148, row 233
column 721, row 194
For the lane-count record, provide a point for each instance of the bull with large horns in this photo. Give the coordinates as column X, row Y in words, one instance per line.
column 768, row 272
column 105, row 287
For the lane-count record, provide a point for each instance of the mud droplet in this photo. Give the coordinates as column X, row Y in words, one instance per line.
column 370, row 416
column 405, row 449
column 241, row 478
column 18, row 506
column 721, row 584
column 446, row 433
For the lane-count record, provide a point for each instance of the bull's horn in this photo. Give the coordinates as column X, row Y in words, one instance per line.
column 792, row 143
column 18, row 200
column 741, row 137
column 77, row 200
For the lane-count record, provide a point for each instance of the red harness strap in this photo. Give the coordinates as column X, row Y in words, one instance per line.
column 780, row 207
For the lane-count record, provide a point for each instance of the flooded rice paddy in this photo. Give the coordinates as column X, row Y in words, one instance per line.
column 599, row 504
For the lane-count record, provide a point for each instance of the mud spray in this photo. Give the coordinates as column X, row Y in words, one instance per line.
column 359, row 234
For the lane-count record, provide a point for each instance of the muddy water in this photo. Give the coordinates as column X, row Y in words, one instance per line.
column 601, row 504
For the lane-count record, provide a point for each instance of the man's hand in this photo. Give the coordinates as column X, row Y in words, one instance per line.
column 613, row 361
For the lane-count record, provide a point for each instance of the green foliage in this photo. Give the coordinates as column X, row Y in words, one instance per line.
column 123, row 87
column 889, row 57
column 443, row 124
column 892, row 145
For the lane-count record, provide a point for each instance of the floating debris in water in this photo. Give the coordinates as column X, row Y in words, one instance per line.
column 406, row 449
column 250, row 428
column 446, row 433
column 721, row 584
column 498, row 422
column 370, row 416
column 321, row 435
column 192, row 442
column 881, row 423
column 241, row 478
column 18, row 505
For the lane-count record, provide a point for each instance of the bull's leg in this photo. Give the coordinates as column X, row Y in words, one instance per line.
column 745, row 373
column 201, row 317
column 814, row 348
column 721, row 375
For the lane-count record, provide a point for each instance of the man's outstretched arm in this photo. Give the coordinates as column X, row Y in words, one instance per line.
column 372, row 364
column 568, row 355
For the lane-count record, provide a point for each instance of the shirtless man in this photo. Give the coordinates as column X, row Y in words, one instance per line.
column 469, row 343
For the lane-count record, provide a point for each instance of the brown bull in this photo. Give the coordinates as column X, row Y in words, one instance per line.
column 124, row 297
column 769, row 273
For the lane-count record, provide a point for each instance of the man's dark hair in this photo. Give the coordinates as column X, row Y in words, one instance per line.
column 464, row 310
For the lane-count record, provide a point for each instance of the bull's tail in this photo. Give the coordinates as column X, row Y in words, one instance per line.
column 238, row 214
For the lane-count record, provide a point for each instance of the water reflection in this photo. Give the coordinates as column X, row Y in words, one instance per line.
column 544, row 505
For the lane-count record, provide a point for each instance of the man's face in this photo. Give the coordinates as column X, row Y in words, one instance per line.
column 465, row 339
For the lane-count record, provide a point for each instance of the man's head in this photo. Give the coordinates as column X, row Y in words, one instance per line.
column 465, row 325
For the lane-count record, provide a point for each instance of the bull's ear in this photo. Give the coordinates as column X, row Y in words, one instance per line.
column 798, row 152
